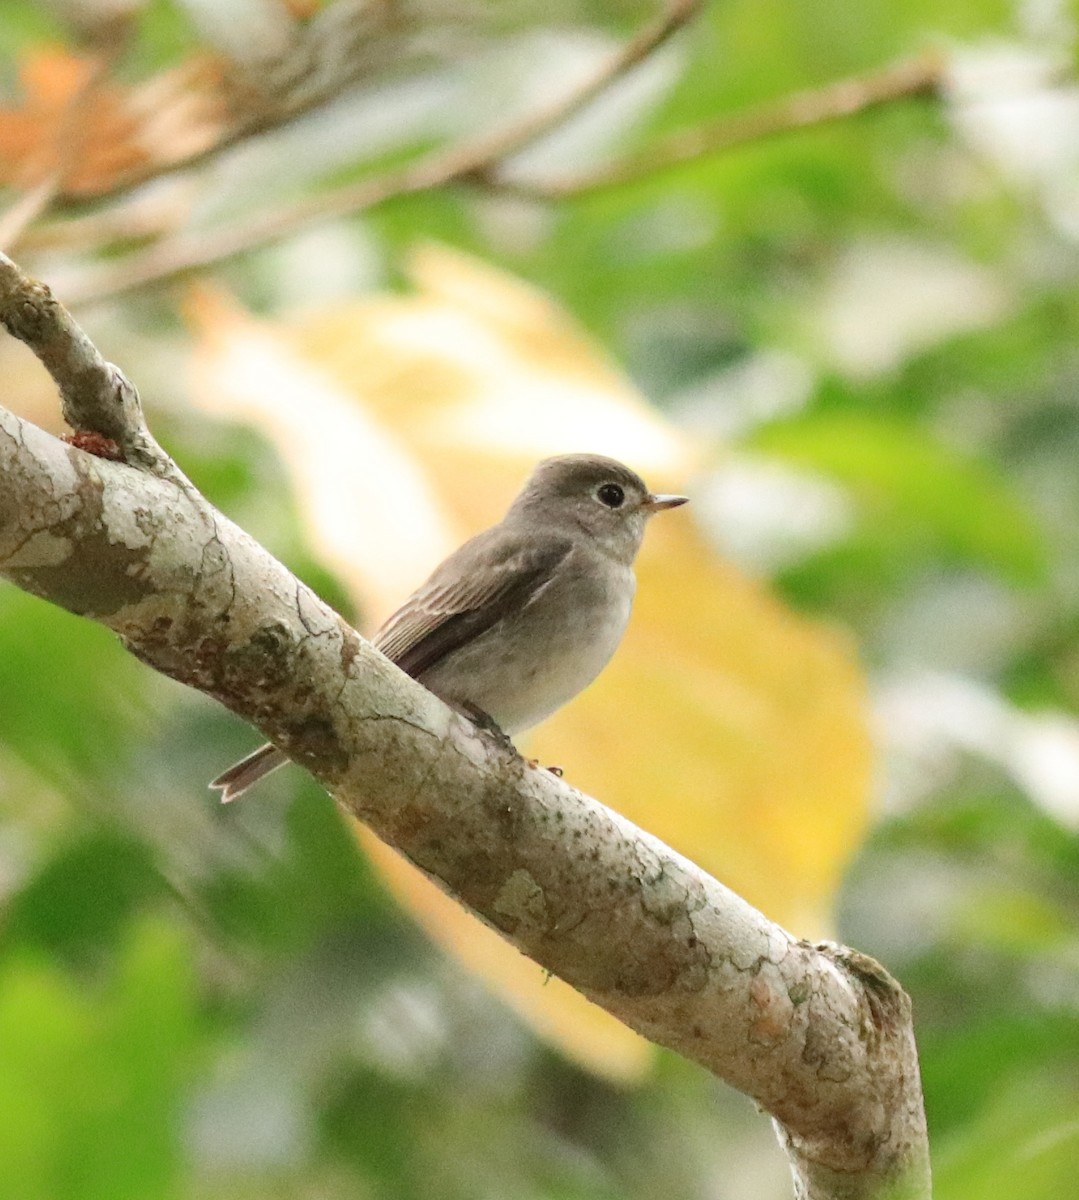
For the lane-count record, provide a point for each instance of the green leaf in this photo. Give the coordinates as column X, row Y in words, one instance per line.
column 1026, row 1144
column 81, row 900
column 91, row 1079
column 26, row 25
column 70, row 696
column 903, row 479
column 320, row 883
column 964, row 1068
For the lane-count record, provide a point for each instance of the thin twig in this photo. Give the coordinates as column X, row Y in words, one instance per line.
column 473, row 157
column 96, row 397
column 919, row 76
column 15, row 219
column 141, row 218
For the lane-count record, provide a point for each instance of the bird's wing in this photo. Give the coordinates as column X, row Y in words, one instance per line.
column 467, row 594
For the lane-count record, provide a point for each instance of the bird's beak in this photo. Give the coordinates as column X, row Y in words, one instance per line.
column 656, row 504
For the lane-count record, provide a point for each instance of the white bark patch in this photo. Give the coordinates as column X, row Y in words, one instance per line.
column 120, row 520
column 522, row 899
column 468, row 740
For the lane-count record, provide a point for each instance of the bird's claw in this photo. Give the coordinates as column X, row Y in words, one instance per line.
column 535, row 764
column 484, row 721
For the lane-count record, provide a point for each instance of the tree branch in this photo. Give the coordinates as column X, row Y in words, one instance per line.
column 820, row 1036
column 487, row 158
column 472, row 158
column 909, row 78
column 96, row 398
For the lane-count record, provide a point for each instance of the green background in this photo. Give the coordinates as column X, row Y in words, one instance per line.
column 202, row 1003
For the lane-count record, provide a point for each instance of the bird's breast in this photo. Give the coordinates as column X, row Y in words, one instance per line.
column 536, row 659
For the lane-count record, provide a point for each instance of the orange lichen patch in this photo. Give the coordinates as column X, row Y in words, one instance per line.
column 302, row 10
column 94, row 443
column 772, row 1017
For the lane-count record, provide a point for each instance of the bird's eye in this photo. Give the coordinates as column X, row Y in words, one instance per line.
column 610, row 494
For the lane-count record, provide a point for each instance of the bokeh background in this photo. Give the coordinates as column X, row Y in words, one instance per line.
column 852, row 681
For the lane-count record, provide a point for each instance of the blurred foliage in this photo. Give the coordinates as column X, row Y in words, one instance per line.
column 923, row 500
column 869, row 332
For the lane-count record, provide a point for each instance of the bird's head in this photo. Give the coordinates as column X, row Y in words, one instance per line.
column 589, row 492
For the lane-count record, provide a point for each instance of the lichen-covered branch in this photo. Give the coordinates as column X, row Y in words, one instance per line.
column 820, row 1036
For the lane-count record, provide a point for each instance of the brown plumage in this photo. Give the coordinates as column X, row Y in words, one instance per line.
column 523, row 616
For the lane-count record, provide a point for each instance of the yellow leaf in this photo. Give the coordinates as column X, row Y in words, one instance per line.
column 728, row 725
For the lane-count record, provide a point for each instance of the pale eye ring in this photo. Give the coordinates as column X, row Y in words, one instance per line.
column 611, row 494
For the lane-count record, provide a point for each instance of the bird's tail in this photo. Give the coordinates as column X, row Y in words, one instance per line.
column 248, row 771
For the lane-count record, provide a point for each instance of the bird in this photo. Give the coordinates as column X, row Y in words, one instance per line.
column 523, row 616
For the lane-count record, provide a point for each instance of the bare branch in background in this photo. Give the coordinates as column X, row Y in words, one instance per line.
column 142, row 217
column 193, row 112
column 486, row 159
column 820, row 1036
column 185, row 252
column 908, row 79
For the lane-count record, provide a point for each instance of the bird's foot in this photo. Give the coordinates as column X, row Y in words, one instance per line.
column 535, row 763
column 483, row 720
